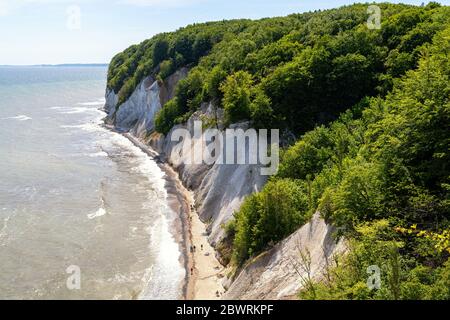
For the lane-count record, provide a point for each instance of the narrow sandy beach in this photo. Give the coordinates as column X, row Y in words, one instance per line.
column 207, row 269
column 203, row 270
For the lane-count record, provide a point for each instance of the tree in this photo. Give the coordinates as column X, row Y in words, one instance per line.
column 160, row 51
column 268, row 217
column 261, row 111
column 213, row 83
column 236, row 96
column 183, row 45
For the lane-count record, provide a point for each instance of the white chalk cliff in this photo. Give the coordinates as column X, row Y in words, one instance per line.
column 281, row 272
column 219, row 190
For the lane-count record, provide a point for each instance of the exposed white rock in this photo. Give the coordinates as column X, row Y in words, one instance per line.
column 219, row 191
column 111, row 100
column 278, row 273
column 138, row 112
column 219, row 188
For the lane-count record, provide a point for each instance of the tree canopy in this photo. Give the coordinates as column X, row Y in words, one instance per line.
column 371, row 112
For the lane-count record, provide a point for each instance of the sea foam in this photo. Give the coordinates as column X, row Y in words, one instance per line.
column 19, row 118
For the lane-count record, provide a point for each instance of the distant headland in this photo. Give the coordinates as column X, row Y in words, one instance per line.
column 68, row 65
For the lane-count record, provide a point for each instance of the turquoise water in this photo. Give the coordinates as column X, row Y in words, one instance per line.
column 75, row 194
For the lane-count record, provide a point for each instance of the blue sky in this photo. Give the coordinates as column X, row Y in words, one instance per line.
column 48, row 31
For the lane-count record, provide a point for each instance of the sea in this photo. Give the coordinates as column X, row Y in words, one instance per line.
column 83, row 212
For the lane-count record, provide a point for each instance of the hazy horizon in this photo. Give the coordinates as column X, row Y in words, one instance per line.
column 92, row 32
column 93, row 64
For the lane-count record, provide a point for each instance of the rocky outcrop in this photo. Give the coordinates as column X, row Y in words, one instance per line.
column 111, row 100
column 219, row 190
column 137, row 114
column 281, row 272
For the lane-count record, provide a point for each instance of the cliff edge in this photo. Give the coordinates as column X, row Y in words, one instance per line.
column 219, row 191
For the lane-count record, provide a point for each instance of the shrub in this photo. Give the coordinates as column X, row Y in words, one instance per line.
column 269, row 216
column 236, row 96
column 166, row 68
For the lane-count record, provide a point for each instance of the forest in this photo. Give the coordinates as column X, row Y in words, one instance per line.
column 370, row 113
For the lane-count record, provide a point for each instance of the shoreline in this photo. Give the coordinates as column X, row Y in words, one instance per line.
column 189, row 231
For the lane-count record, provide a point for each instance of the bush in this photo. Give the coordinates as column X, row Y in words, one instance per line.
column 160, row 51
column 269, row 216
column 213, row 84
column 165, row 118
column 308, row 156
column 166, row 68
column 236, row 97
column 401, row 278
column 359, row 196
column 261, row 111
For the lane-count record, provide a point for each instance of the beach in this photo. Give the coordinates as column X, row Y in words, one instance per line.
column 203, row 270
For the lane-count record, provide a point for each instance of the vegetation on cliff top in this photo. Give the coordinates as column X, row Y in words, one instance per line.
column 291, row 72
column 372, row 108
column 382, row 178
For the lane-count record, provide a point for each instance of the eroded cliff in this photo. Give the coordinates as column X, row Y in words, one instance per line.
column 282, row 271
column 219, row 190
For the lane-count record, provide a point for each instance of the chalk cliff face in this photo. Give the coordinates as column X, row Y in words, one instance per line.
column 111, row 100
column 281, row 272
column 219, row 190
column 137, row 114
column 139, row 110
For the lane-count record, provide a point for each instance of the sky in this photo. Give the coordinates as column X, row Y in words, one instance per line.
column 93, row 31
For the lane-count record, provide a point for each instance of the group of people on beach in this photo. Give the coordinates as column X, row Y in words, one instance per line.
column 193, row 249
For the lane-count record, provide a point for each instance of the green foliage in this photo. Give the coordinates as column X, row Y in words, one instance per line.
column 164, row 120
column 183, row 48
column 261, row 110
column 236, row 96
column 269, row 216
column 310, row 67
column 189, row 95
column 263, row 62
column 213, row 83
column 308, row 156
column 166, row 68
column 381, row 167
column 160, row 51
column 401, row 277
column 358, row 197
column 382, row 179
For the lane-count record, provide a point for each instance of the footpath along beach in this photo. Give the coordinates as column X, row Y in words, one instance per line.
column 203, row 270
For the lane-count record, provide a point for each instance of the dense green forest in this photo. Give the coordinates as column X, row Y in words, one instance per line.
column 382, row 178
column 371, row 111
